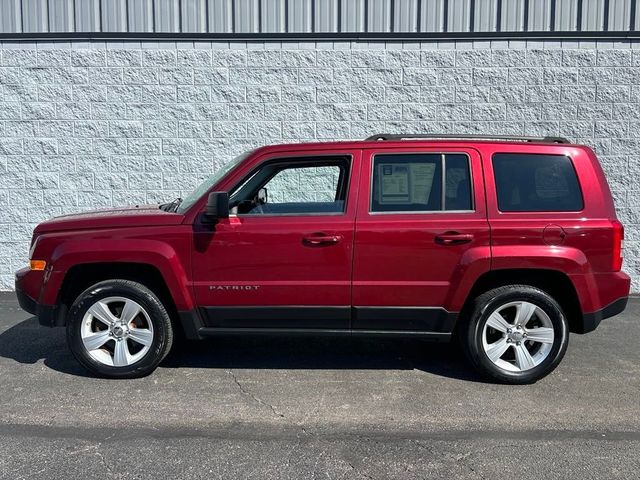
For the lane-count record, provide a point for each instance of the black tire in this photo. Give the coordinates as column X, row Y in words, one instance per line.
column 479, row 313
column 161, row 322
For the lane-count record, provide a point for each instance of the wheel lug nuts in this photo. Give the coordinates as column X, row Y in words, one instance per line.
column 518, row 344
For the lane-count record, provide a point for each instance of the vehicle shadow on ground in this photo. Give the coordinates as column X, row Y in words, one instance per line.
column 28, row 343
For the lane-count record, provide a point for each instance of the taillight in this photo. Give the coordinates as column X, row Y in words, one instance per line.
column 618, row 245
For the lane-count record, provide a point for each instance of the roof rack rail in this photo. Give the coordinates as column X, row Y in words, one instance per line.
column 401, row 136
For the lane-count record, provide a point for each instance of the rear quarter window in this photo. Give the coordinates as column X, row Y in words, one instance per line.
column 536, row 183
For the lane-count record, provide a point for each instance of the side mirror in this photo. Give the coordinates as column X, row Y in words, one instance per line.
column 217, row 206
column 262, row 196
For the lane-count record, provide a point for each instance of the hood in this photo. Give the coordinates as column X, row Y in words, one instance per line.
column 138, row 216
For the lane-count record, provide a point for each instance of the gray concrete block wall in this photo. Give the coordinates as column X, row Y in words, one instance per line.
column 94, row 125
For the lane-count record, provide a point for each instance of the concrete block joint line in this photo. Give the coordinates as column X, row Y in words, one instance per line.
column 102, row 124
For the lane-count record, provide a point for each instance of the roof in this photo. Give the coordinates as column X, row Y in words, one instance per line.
column 397, row 140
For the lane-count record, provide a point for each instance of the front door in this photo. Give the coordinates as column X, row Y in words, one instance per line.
column 422, row 224
column 284, row 257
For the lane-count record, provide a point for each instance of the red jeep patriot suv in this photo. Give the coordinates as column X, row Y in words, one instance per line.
column 507, row 243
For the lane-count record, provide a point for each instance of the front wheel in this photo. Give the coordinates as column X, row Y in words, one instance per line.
column 516, row 334
column 119, row 329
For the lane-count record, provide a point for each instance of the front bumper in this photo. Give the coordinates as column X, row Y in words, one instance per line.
column 27, row 303
column 48, row 315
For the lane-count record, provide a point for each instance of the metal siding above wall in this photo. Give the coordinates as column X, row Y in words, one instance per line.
column 352, row 16
column 10, row 20
column 194, row 16
column 114, row 16
column 432, row 16
column 566, row 15
column 458, row 16
column 273, row 16
column 326, row 15
column 246, row 16
column 220, row 16
column 141, row 16
column 619, row 14
column 61, row 16
column 485, row 15
column 379, row 16
column 539, row 15
column 35, row 16
column 405, row 16
column 167, row 16
column 87, row 16
column 300, row 16
column 592, row 14
column 305, row 16
column 512, row 16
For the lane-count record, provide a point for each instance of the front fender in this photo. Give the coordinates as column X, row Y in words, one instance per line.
column 155, row 253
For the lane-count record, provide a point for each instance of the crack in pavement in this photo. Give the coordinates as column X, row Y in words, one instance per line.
column 462, row 460
column 103, row 461
column 253, row 397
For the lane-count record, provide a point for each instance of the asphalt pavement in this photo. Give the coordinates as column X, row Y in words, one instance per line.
column 298, row 408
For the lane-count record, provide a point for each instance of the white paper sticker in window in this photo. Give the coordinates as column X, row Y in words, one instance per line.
column 405, row 182
column 421, row 181
column 394, row 185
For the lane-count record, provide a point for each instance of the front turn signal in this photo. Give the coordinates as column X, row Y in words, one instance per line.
column 37, row 264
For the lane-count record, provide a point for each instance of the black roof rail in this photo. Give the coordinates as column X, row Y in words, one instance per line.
column 402, row 136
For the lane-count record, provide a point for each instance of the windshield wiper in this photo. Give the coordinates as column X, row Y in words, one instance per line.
column 172, row 206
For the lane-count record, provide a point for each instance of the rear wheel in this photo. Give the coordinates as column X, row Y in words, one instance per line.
column 119, row 329
column 516, row 334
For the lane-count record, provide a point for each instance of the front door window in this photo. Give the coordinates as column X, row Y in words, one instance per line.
column 295, row 187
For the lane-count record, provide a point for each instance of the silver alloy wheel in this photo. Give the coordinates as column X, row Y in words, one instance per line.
column 116, row 331
column 518, row 336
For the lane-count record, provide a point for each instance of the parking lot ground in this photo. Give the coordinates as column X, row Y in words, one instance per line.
column 270, row 408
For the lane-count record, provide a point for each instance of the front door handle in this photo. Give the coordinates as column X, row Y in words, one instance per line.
column 318, row 239
column 453, row 238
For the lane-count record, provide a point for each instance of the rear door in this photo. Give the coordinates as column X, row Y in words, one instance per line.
column 421, row 224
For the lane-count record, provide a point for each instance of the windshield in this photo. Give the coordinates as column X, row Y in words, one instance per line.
column 210, row 182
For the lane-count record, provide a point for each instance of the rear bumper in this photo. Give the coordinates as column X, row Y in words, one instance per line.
column 590, row 321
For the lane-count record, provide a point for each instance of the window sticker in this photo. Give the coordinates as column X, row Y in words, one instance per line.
column 395, row 183
column 551, row 182
column 405, row 182
column 421, row 181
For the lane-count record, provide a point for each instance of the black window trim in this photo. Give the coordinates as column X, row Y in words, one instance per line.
column 312, row 157
column 443, row 155
column 537, row 212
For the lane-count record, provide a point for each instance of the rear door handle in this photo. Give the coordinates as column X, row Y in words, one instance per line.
column 318, row 239
column 453, row 238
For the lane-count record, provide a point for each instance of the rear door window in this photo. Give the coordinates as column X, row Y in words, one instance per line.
column 414, row 182
column 536, row 183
